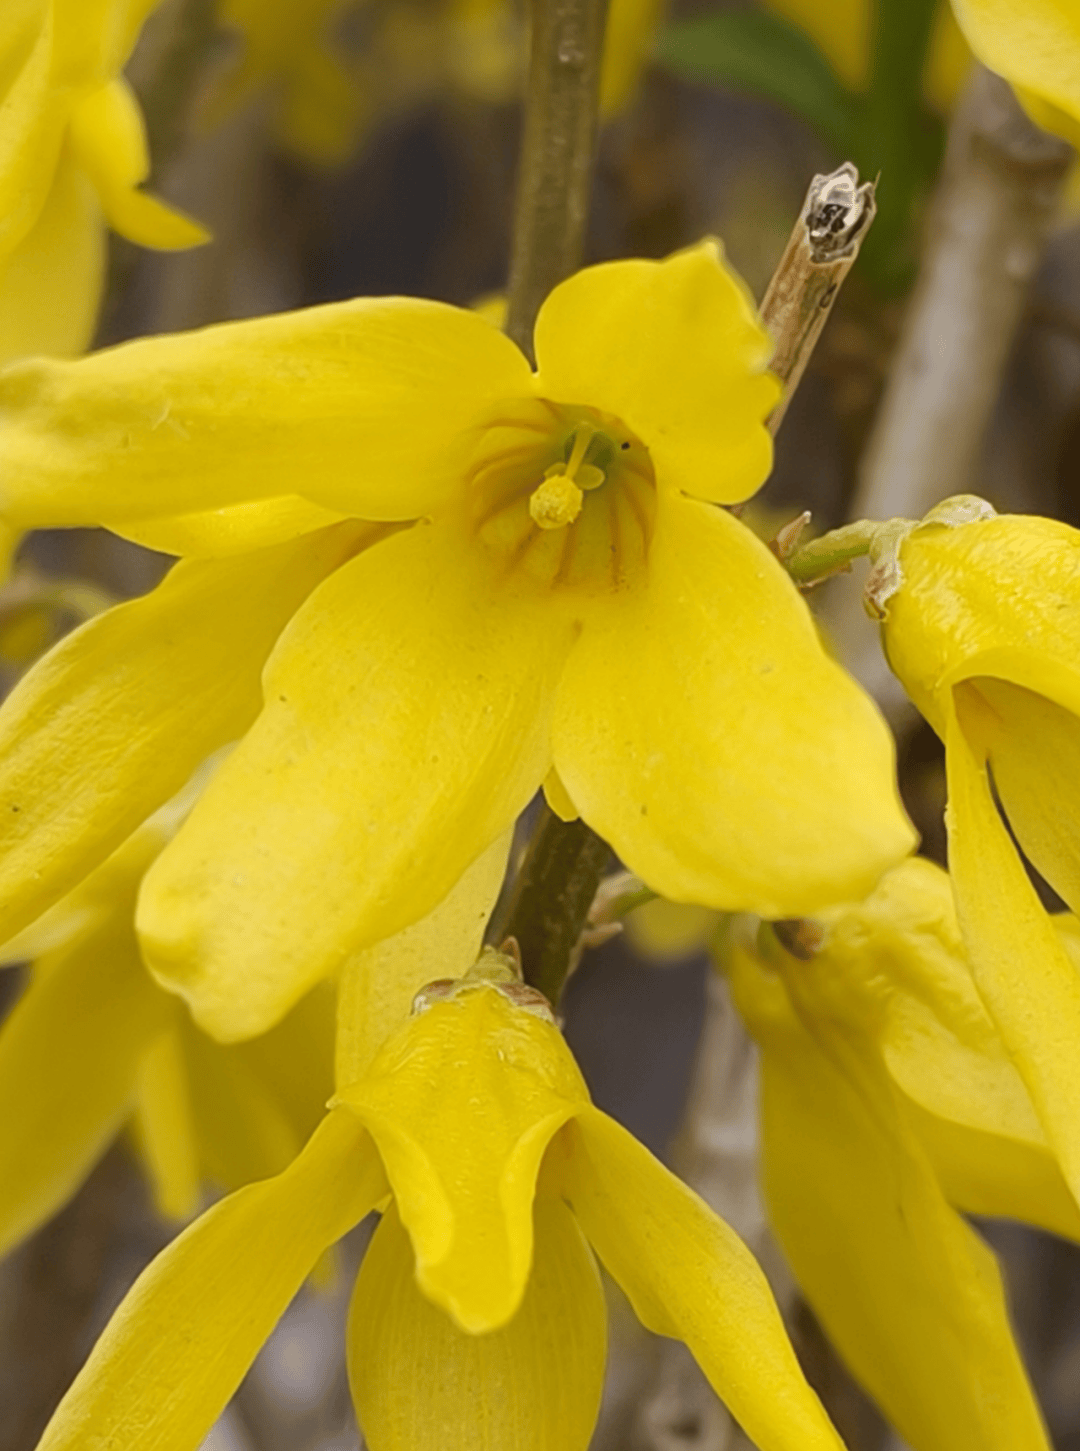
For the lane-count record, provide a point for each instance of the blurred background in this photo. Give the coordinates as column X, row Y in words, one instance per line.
column 370, row 148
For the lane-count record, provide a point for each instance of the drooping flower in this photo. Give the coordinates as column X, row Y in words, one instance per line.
column 72, row 155
column 478, row 1319
column 551, row 585
column 888, row 1100
column 93, row 1044
column 981, row 622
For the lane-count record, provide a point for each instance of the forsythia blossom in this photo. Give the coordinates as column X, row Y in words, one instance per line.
column 887, row 1097
column 1033, row 44
column 473, row 1132
column 544, row 590
column 72, row 155
column 93, row 1043
column 981, row 622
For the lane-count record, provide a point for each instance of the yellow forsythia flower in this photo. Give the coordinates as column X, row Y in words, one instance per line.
column 551, row 584
column 982, row 626
column 844, row 31
column 93, row 1043
column 887, row 1096
column 1035, row 45
column 72, row 154
column 478, row 1317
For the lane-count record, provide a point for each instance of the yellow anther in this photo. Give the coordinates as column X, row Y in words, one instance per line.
column 556, row 503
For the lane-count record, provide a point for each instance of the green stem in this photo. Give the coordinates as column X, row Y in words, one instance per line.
column 549, row 902
column 557, row 150
column 832, row 552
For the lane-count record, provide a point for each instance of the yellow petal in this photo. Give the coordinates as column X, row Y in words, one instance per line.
column 982, row 1172
column 1035, row 44
column 366, row 407
column 377, row 986
column 107, row 135
column 1034, row 748
column 703, row 731
column 628, row 39
column 840, row 29
column 422, row 1384
column 51, row 282
column 243, row 1133
column 294, row 1061
column 69, row 1060
column 1028, row 983
column 462, row 1102
column 116, row 717
column 907, row 1293
column 186, row 1332
column 675, row 350
column 689, row 1275
column 405, row 726
column 163, row 1126
column 34, row 119
column 219, row 533
column 969, row 604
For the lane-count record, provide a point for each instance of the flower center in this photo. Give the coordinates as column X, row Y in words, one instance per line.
column 562, row 495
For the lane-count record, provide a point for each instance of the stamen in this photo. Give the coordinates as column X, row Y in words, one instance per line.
column 557, row 502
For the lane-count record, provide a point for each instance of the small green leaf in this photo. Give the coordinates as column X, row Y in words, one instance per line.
column 756, row 52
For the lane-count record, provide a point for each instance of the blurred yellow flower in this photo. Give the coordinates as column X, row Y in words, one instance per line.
column 887, row 1096
column 93, row 1043
column 557, row 589
column 1035, row 44
column 982, row 626
column 478, row 1318
column 72, row 154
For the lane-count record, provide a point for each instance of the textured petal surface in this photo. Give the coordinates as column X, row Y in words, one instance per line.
column 219, row 533
column 366, row 407
column 422, row 1384
column 674, row 349
column 51, row 282
column 406, row 725
column 186, row 1332
column 1035, row 44
column 689, row 1275
column 110, row 723
column 70, row 1052
column 462, row 1103
column 377, row 986
column 908, row 1294
column 702, row 730
column 1028, row 982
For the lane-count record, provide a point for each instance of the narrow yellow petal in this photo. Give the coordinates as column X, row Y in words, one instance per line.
column 69, row 1061
column 50, row 284
column 186, row 1332
column 985, row 1173
column 107, row 135
column 422, row 1384
column 628, row 38
column 294, row 1061
column 701, row 729
column 367, row 407
column 405, row 726
column 163, row 1126
column 219, row 533
column 113, row 720
column 377, row 986
column 690, row 1276
column 34, row 120
column 462, row 1102
column 1029, row 984
column 675, row 349
column 906, row 1291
